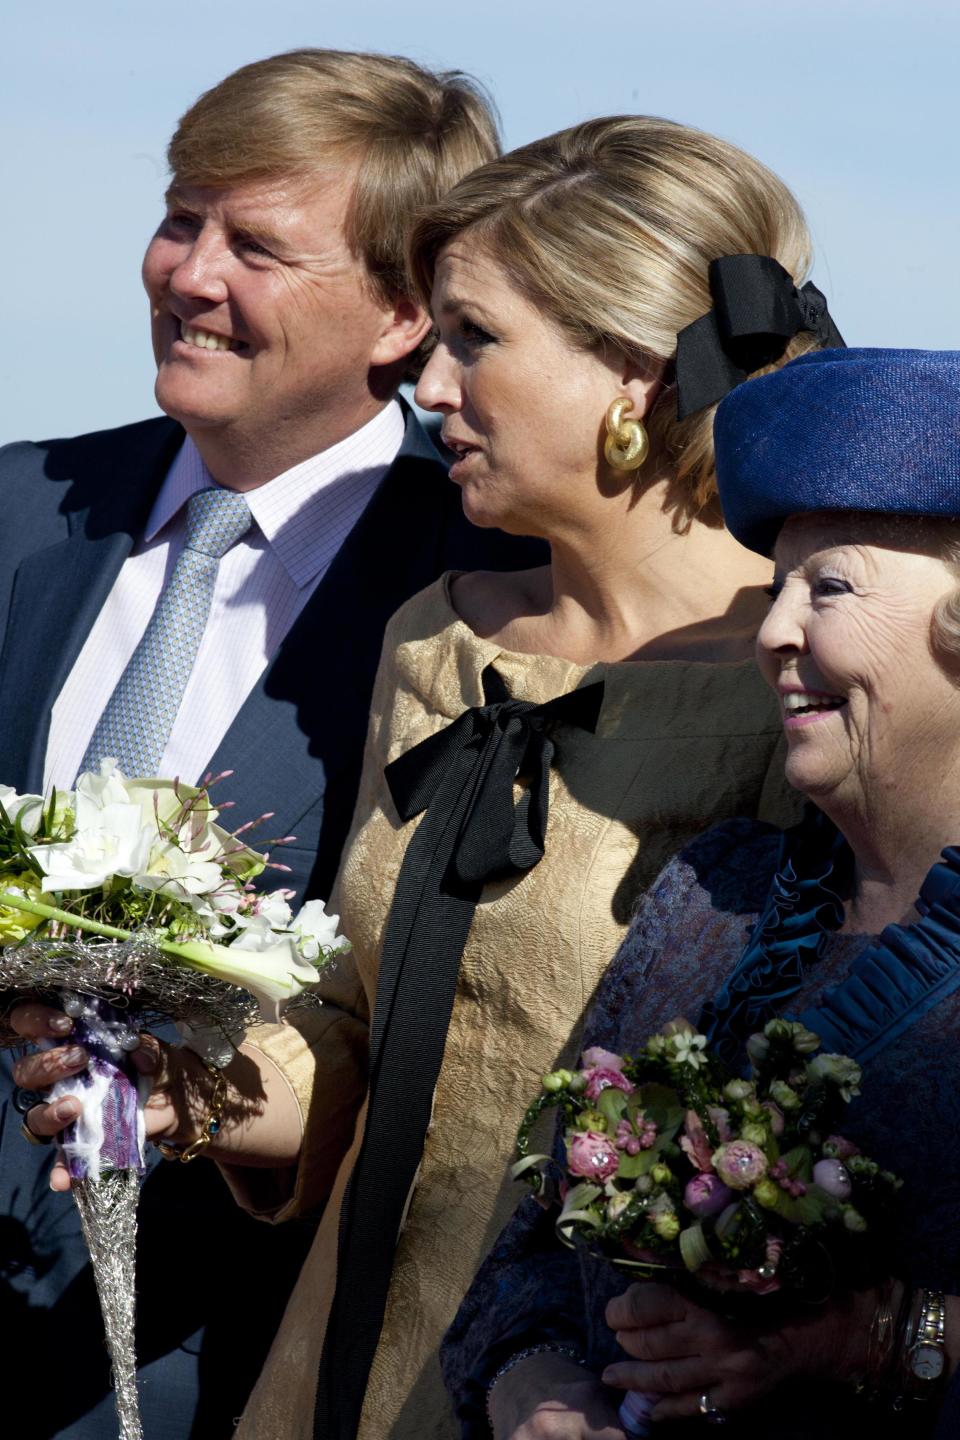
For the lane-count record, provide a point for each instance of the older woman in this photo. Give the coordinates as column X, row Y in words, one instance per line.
column 846, row 464
column 613, row 689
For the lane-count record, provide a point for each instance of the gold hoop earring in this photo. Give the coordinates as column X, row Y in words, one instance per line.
column 627, row 444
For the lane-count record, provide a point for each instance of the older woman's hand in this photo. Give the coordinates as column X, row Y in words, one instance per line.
column 41, row 1024
column 549, row 1397
column 683, row 1351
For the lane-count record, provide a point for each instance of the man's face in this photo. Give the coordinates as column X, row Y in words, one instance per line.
column 265, row 325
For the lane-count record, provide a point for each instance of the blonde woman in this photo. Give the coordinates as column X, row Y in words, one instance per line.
column 553, row 735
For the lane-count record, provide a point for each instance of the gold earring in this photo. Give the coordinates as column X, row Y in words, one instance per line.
column 627, row 444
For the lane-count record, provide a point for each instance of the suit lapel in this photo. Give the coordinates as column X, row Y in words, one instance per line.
column 58, row 591
column 314, row 697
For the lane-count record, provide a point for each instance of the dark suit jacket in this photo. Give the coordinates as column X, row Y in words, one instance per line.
column 212, row 1282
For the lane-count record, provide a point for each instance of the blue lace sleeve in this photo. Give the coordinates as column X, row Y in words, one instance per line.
column 530, row 1290
column 527, row 1292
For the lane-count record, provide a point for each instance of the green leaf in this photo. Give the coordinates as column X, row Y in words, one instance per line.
column 528, row 1161
column 575, row 1203
column 632, row 1166
column 808, row 1209
column 799, row 1163
column 572, row 1218
column 694, row 1249
column 661, row 1103
column 611, row 1104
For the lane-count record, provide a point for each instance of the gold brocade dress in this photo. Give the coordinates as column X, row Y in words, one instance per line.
column 678, row 746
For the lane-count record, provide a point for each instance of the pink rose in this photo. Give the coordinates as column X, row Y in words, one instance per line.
column 832, row 1176
column 740, row 1164
column 592, row 1156
column 602, row 1079
column 706, row 1195
column 597, row 1058
column 841, row 1148
column 694, row 1142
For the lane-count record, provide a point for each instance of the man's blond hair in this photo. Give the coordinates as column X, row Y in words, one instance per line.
column 412, row 133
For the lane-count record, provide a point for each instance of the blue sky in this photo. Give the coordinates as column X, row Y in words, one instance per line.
column 855, row 103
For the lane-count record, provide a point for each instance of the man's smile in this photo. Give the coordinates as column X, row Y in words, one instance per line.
column 202, row 339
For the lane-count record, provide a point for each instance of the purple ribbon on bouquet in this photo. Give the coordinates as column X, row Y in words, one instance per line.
column 108, row 1134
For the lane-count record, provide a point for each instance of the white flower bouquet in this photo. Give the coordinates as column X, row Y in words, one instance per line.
column 127, row 903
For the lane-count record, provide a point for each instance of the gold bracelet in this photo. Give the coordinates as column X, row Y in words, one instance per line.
column 880, row 1339
column 211, row 1123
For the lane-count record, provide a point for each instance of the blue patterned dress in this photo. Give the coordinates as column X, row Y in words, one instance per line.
column 686, row 937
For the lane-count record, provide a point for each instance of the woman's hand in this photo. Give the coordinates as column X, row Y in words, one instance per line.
column 550, row 1397
column 683, row 1351
column 261, row 1127
column 176, row 1087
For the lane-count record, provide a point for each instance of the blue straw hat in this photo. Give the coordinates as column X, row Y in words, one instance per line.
column 840, row 430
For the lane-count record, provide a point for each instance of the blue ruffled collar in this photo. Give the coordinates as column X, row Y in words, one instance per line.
column 899, row 977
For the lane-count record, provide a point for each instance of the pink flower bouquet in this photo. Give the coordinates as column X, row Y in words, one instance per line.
column 672, row 1163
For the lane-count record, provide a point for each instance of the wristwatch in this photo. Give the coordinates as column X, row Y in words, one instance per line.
column 926, row 1358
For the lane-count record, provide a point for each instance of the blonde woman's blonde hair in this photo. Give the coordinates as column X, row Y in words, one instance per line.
column 414, row 133
column 609, row 228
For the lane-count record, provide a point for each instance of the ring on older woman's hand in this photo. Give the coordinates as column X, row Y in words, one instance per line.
column 24, row 1100
column 31, row 1135
column 710, row 1412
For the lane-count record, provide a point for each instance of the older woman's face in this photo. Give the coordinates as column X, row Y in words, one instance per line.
column 523, row 407
column 868, row 710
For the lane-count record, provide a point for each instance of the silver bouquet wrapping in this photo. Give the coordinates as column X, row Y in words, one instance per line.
column 128, row 906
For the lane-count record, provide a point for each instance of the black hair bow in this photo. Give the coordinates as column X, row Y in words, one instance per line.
column 756, row 312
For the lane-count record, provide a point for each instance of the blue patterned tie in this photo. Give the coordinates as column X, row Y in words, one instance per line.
column 138, row 718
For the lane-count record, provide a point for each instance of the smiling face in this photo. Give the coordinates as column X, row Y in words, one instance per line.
column 265, row 325
column 523, row 406
column 869, row 710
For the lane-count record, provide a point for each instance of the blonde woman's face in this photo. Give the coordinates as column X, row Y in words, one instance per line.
column 522, row 407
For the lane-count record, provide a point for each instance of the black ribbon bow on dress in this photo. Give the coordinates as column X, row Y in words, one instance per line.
column 473, row 831
column 757, row 310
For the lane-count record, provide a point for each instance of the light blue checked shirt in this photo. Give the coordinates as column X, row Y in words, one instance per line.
column 301, row 518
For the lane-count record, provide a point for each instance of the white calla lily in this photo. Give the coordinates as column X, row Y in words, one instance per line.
column 274, row 975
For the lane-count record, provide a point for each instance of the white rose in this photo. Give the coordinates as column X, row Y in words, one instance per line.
column 29, row 808
column 110, row 839
column 181, row 874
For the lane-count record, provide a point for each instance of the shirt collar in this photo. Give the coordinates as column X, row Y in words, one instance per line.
column 186, row 476
column 291, row 509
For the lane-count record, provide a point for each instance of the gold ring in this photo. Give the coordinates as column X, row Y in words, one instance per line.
column 31, row 1135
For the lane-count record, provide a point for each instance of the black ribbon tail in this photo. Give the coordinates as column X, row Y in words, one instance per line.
column 473, row 831
column 705, row 372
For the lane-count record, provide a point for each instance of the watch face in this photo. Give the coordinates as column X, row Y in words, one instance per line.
column 926, row 1362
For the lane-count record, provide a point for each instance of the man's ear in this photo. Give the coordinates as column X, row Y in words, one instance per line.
column 406, row 324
